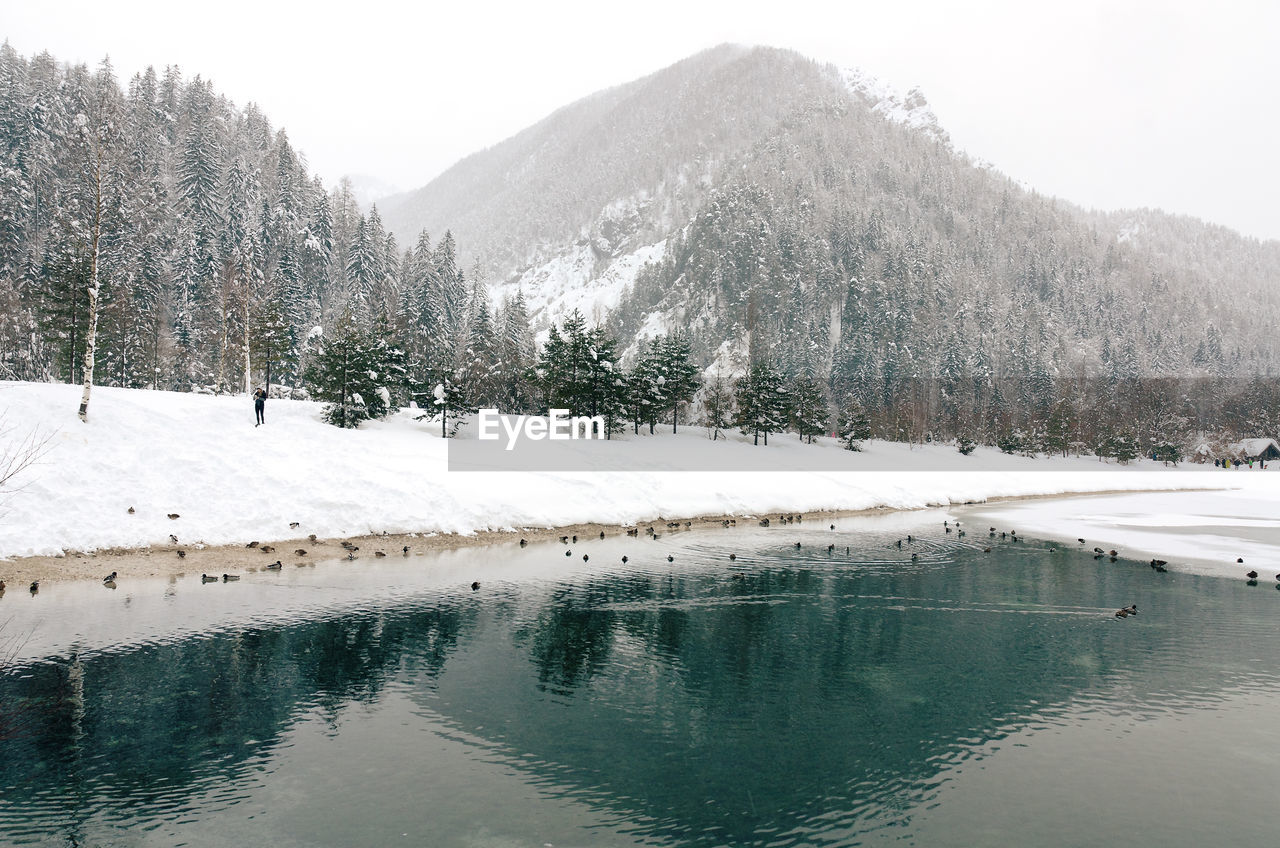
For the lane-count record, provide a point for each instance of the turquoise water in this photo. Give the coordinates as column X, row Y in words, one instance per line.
column 793, row 697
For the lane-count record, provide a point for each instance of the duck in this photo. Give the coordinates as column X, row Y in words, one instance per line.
column 173, row 540
column 585, row 557
column 110, row 578
column 910, row 538
column 475, row 585
column 351, row 556
column 1112, row 553
column 764, row 522
column 986, row 550
column 348, row 545
column 252, row 545
column 601, row 534
column 35, row 586
column 405, row 550
column 2, row 586
column 267, row 549
column 670, row 558
column 275, row 566
column 1240, row 560
column 1252, row 575
column 132, row 510
column 204, row 578
column 568, row 553
column 831, row 548
column 564, row 540
column 301, row 552
column 624, row 558
column 523, row 543
column 311, row 537
column 635, row 531
column 294, row 525
column 227, row 578
column 379, row 554
column 948, row 529
column 1097, row 550
column 733, row 557
column 915, row 557
column 797, row 544
column 833, row 527
column 575, row 540
column 182, row 554
column 1081, row 541
column 173, row 516
column 898, row 544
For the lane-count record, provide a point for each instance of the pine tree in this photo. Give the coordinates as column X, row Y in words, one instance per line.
column 762, row 401
column 810, row 414
column 680, row 376
column 647, row 393
column 349, row 372
column 853, row 426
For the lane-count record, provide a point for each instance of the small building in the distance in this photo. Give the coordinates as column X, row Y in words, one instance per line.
column 1264, row 449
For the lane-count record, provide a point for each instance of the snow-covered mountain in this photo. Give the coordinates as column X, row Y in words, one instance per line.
column 764, row 201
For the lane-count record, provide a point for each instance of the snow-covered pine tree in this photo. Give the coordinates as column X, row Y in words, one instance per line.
column 717, row 406
column 681, row 375
column 762, row 401
column 516, row 355
column 480, row 367
column 810, row 412
column 853, row 426
column 647, row 385
column 349, row 373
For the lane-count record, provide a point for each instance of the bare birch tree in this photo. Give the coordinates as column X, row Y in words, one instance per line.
column 99, row 134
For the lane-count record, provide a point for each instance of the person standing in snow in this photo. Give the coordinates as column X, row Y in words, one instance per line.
column 259, row 405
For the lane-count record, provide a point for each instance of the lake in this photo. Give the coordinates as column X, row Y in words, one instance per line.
column 794, row 696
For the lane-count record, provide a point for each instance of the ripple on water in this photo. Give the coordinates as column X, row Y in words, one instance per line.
column 789, row 697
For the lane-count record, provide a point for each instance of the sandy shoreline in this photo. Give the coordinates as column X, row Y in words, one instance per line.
column 164, row 561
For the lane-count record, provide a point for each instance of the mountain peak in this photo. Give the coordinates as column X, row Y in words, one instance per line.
column 911, row 109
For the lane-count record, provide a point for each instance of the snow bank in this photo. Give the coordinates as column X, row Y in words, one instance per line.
column 1198, row 532
column 201, row 458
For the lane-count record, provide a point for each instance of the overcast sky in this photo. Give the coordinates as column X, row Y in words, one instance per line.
column 1108, row 104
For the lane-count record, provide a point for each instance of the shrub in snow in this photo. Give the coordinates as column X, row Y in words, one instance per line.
column 1012, row 441
column 965, row 445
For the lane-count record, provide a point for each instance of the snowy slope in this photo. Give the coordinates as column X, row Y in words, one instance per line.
column 570, row 281
column 200, row 457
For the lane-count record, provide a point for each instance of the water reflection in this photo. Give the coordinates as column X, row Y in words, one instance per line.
column 795, row 697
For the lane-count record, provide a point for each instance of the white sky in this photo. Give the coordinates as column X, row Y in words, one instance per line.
column 1108, row 104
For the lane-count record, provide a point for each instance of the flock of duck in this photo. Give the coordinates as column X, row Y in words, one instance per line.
column 1159, row 565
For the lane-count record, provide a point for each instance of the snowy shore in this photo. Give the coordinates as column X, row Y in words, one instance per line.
column 201, row 458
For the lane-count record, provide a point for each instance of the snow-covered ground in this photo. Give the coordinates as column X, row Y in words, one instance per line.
column 201, row 457
column 1200, row 532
